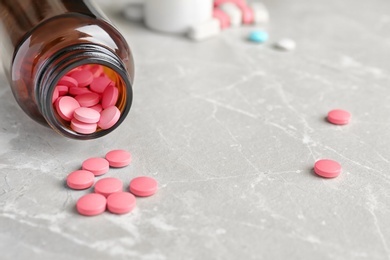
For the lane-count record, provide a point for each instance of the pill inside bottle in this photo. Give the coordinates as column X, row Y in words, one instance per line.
column 89, row 86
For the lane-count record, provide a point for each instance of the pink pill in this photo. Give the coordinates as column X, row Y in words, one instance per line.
column 66, row 106
column 99, row 84
column 247, row 15
column 107, row 186
column 110, row 96
column 97, row 108
column 109, row 117
column 98, row 166
column 83, row 128
column 96, row 70
column 73, row 70
column 85, row 67
column 118, row 158
column 56, row 94
column 68, row 81
column 223, row 18
column 62, row 89
column 83, row 77
column 80, row 180
column 91, row 204
column 143, row 186
column 327, row 168
column 86, row 115
column 79, row 91
column 237, row 2
column 339, row 117
column 121, row 202
column 88, row 100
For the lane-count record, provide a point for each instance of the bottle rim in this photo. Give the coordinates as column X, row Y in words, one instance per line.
column 64, row 61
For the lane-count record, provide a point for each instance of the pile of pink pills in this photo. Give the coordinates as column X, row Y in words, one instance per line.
column 86, row 98
column 108, row 192
column 328, row 168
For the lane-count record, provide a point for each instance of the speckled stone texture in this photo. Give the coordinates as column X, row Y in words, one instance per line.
column 231, row 131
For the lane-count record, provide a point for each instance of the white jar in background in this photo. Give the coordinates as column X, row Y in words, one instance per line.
column 176, row 16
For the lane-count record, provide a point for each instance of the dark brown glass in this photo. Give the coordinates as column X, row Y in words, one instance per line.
column 44, row 39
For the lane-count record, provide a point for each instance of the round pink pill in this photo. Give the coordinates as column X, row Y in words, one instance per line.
column 96, row 70
column 109, row 117
column 97, row 108
column 339, row 117
column 99, row 84
column 223, row 18
column 143, row 186
column 96, row 165
column 66, row 106
column 86, row 115
column 62, row 89
column 108, row 186
column 110, row 96
column 79, row 91
column 56, row 95
column 83, row 77
column 68, row 81
column 73, row 70
column 91, row 204
column 247, row 15
column 80, row 180
column 327, row 168
column 118, row 158
column 83, row 128
column 121, row 202
column 88, row 100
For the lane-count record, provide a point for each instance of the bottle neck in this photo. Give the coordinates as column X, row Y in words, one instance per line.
column 67, row 59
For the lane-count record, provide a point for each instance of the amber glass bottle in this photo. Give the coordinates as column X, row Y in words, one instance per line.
column 42, row 40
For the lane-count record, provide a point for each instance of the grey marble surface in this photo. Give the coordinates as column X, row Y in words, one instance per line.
column 231, row 131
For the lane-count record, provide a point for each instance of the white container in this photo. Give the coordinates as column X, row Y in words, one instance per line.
column 176, row 16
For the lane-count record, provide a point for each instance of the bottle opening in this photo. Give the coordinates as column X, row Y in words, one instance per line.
column 89, row 99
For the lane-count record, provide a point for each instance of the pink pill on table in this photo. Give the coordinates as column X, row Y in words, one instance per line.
column 86, row 115
column 88, row 100
column 223, row 18
column 109, row 117
column 80, row 180
column 96, row 70
column 83, row 77
column 97, row 108
column 62, row 89
column 66, row 106
column 107, row 186
column 247, row 15
column 327, row 168
column 118, row 158
column 56, row 95
column 91, row 204
column 110, row 96
column 143, row 186
column 339, row 117
column 79, row 91
column 68, row 81
column 121, row 202
column 237, row 2
column 98, row 166
column 83, row 128
column 99, row 84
